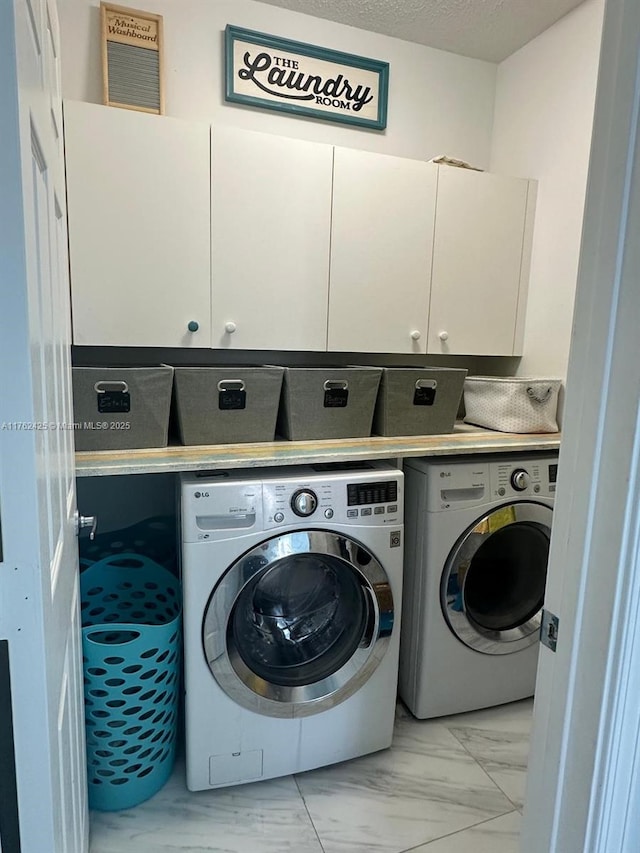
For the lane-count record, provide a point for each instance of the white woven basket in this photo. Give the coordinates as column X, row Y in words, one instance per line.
column 512, row 404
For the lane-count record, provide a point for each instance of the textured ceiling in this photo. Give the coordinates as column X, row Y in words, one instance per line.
column 483, row 29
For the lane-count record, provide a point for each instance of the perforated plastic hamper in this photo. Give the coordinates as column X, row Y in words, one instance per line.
column 131, row 612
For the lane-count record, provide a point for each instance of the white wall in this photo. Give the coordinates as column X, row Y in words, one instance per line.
column 439, row 103
column 544, row 107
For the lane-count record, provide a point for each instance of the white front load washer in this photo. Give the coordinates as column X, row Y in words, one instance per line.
column 476, row 552
column 292, row 583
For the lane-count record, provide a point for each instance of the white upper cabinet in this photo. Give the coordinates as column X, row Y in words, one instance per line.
column 182, row 235
column 270, row 231
column 481, row 258
column 381, row 241
column 138, row 208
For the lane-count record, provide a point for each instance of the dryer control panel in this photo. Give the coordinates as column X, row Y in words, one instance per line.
column 530, row 477
column 469, row 482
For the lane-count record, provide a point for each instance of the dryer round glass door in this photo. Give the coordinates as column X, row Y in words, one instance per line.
column 493, row 583
column 298, row 623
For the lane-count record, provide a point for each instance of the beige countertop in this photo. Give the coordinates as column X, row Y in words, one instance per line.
column 464, row 440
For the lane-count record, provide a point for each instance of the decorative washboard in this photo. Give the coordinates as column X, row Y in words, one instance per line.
column 132, row 59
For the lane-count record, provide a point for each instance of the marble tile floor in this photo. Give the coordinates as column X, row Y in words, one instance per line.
column 451, row 785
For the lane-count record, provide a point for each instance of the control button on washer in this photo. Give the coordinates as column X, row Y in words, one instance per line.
column 366, row 511
column 536, row 489
column 352, row 513
column 392, row 508
column 379, row 510
column 502, row 490
column 278, row 517
column 328, row 513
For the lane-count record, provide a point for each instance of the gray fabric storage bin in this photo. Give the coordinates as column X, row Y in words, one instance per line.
column 418, row 400
column 223, row 405
column 119, row 408
column 327, row 402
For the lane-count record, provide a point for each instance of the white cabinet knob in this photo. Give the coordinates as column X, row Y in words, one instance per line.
column 230, row 328
column 444, row 336
column 416, row 335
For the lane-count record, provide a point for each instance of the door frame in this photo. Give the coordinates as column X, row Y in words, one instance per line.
column 583, row 790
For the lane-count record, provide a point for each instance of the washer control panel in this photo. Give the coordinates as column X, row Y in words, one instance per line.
column 374, row 499
column 217, row 505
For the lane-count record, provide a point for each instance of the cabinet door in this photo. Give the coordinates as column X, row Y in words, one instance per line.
column 381, row 239
column 481, row 256
column 138, row 200
column 270, row 222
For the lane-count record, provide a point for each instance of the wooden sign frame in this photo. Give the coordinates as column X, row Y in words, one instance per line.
column 132, row 59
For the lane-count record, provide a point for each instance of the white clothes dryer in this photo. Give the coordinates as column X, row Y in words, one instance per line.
column 476, row 553
column 292, row 583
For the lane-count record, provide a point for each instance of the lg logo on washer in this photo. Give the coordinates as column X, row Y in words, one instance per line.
column 201, row 495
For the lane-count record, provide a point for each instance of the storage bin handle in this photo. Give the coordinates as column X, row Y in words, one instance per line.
column 426, row 383
column 110, row 635
column 333, row 384
column 231, row 385
column 110, row 385
column 540, row 396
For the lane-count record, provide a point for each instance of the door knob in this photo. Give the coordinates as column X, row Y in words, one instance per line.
column 82, row 521
column 230, row 327
column 444, row 336
column 416, row 335
column 193, row 326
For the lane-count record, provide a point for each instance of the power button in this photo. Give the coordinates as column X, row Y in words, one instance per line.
column 278, row 517
column 328, row 513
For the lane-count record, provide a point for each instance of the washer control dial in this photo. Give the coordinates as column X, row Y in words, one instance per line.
column 520, row 479
column 304, row 502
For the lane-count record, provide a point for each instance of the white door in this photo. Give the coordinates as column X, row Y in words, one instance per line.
column 138, row 198
column 481, row 256
column 583, row 793
column 270, row 221
column 39, row 609
column 381, row 241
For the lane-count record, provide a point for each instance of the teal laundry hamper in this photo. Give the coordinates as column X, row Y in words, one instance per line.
column 131, row 641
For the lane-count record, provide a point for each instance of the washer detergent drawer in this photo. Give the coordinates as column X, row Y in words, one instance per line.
column 453, row 485
column 210, row 510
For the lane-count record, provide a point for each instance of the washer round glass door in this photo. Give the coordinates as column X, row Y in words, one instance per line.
column 299, row 623
column 493, row 583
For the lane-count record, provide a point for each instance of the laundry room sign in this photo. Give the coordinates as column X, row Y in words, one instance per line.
column 278, row 74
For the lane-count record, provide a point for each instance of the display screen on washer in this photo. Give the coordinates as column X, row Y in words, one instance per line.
column 553, row 473
column 372, row 493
